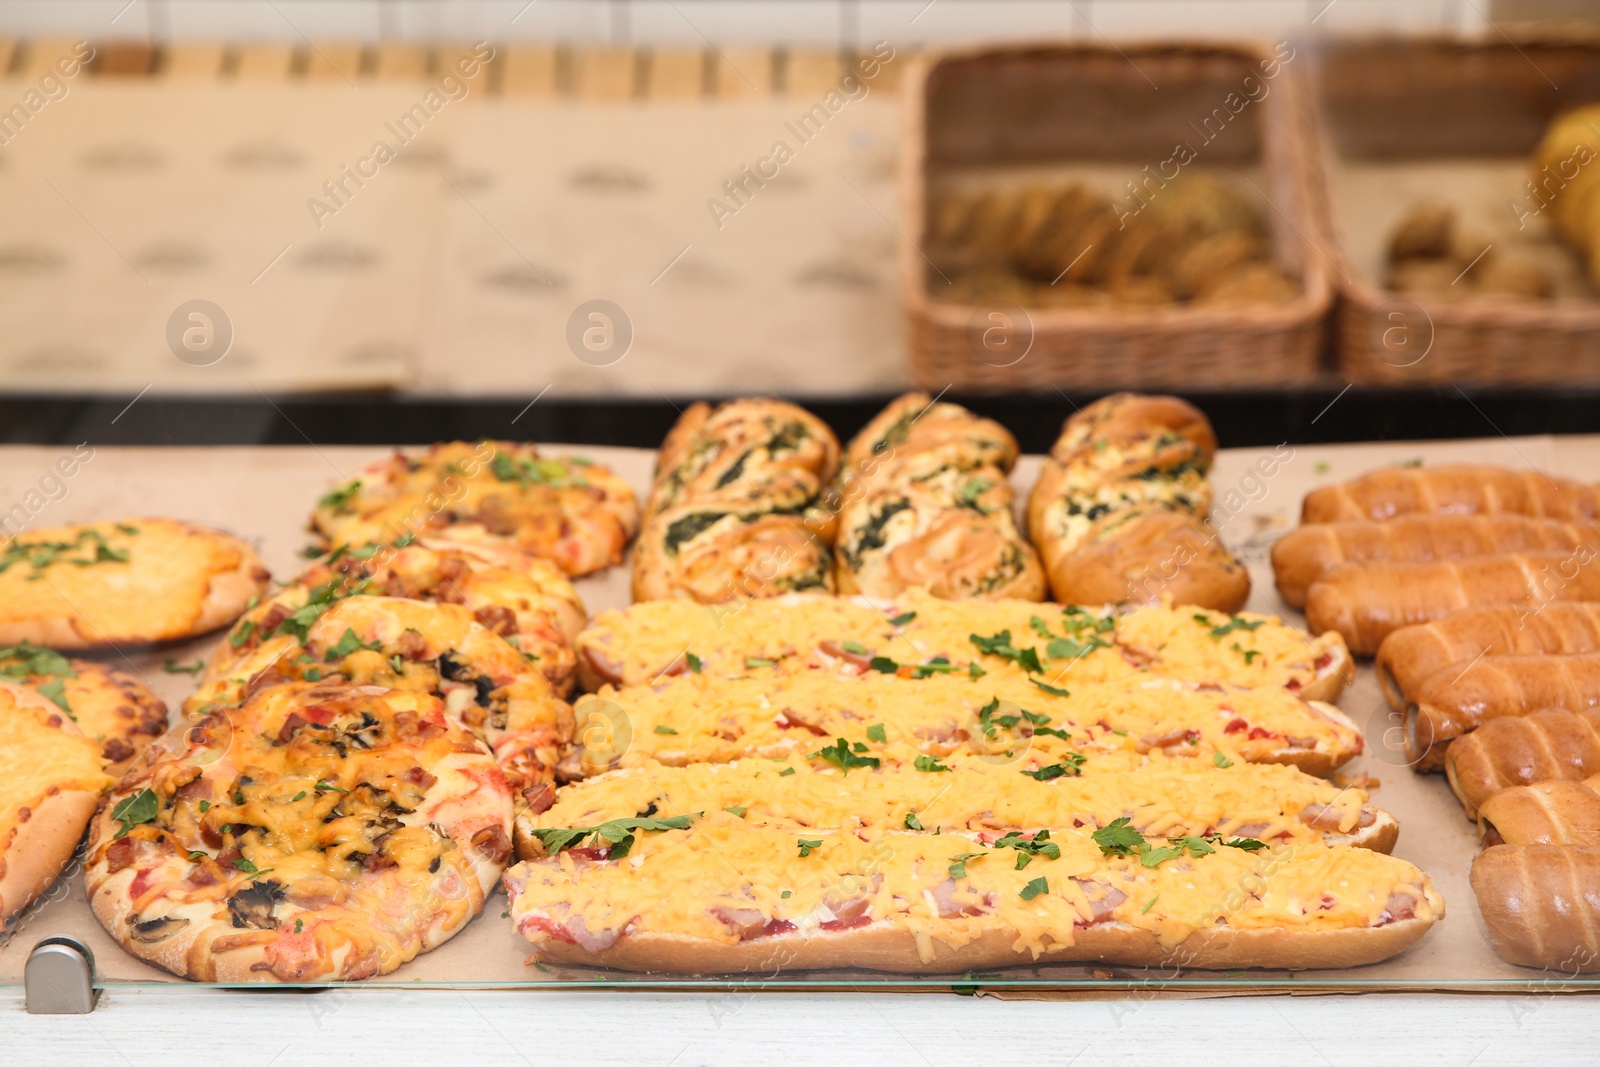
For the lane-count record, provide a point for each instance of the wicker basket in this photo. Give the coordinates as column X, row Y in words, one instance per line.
column 1077, row 104
column 1423, row 103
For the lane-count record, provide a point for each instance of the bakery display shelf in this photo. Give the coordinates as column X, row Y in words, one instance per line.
column 262, row 493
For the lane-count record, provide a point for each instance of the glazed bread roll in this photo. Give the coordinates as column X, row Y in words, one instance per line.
column 1366, row 602
column 1461, row 697
column 1541, row 904
column 1118, row 511
column 1509, row 752
column 1546, row 813
column 1304, row 555
column 924, row 501
column 735, row 511
column 1455, row 490
column 1411, row 653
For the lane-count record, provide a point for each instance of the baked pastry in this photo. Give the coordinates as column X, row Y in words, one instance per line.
column 116, row 711
column 523, row 598
column 979, row 795
column 418, row 647
column 735, row 510
column 1118, row 513
column 920, row 633
column 577, row 514
column 1366, row 602
column 1541, row 904
column 50, row 781
column 1412, row 653
column 926, row 503
column 1557, row 812
column 137, row 581
column 1382, row 494
column 1461, row 697
column 720, row 895
column 314, row 833
column 1520, row 750
column 1302, row 556
column 763, row 712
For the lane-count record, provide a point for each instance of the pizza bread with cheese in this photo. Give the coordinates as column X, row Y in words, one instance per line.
column 526, row 600
column 317, row 832
column 919, row 633
column 705, row 718
column 115, row 710
column 710, row 893
column 898, row 788
column 419, row 647
column 50, row 781
column 137, row 581
column 577, row 514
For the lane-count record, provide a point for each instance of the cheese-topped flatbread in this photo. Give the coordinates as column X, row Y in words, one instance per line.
column 114, row 709
column 136, row 581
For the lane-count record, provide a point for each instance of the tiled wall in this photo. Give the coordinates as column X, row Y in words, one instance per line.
column 800, row 22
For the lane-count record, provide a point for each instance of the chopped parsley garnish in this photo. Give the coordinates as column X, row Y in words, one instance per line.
column 1248, row 653
column 1000, row 645
column 25, row 660
column 693, row 661
column 855, row 648
column 903, row 619
column 328, row 787
column 345, row 646
column 1052, row 690
column 758, row 661
column 242, row 633
column 1039, row 845
column 55, row 691
column 786, row 772
column 875, row 732
column 172, row 666
column 665, row 730
column 930, row 764
column 883, row 665
column 617, row 833
column 1071, row 766
column 298, row 797
column 251, row 869
column 397, row 664
column 808, row 847
column 1034, row 888
column 337, row 498
column 1234, row 623
column 958, row 864
column 737, row 810
column 1222, row 761
column 1117, row 838
column 299, row 925
column 840, row 755
column 132, row 811
column 912, row 822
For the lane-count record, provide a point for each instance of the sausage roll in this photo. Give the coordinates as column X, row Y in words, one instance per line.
column 1541, row 904
column 1461, row 697
column 1453, row 490
column 1546, row 813
column 1503, row 753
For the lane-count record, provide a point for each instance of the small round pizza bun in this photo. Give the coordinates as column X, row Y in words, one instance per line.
column 317, row 833
column 750, row 454
column 524, row 599
column 577, row 514
column 117, row 711
column 50, row 781
column 133, row 582
column 439, row 649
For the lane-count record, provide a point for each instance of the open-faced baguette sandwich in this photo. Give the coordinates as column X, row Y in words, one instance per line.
column 411, row 645
column 712, row 893
column 1451, row 490
column 1119, row 511
column 706, row 718
column 1304, row 556
column 1453, row 701
column 925, row 502
column 917, row 633
column 735, row 510
column 899, row 788
column 1413, row 653
column 1522, row 750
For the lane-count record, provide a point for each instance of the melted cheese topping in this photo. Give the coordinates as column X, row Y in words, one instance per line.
column 725, row 881
column 647, row 640
column 41, row 753
column 1161, row 797
column 143, row 580
column 345, row 828
column 706, row 718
